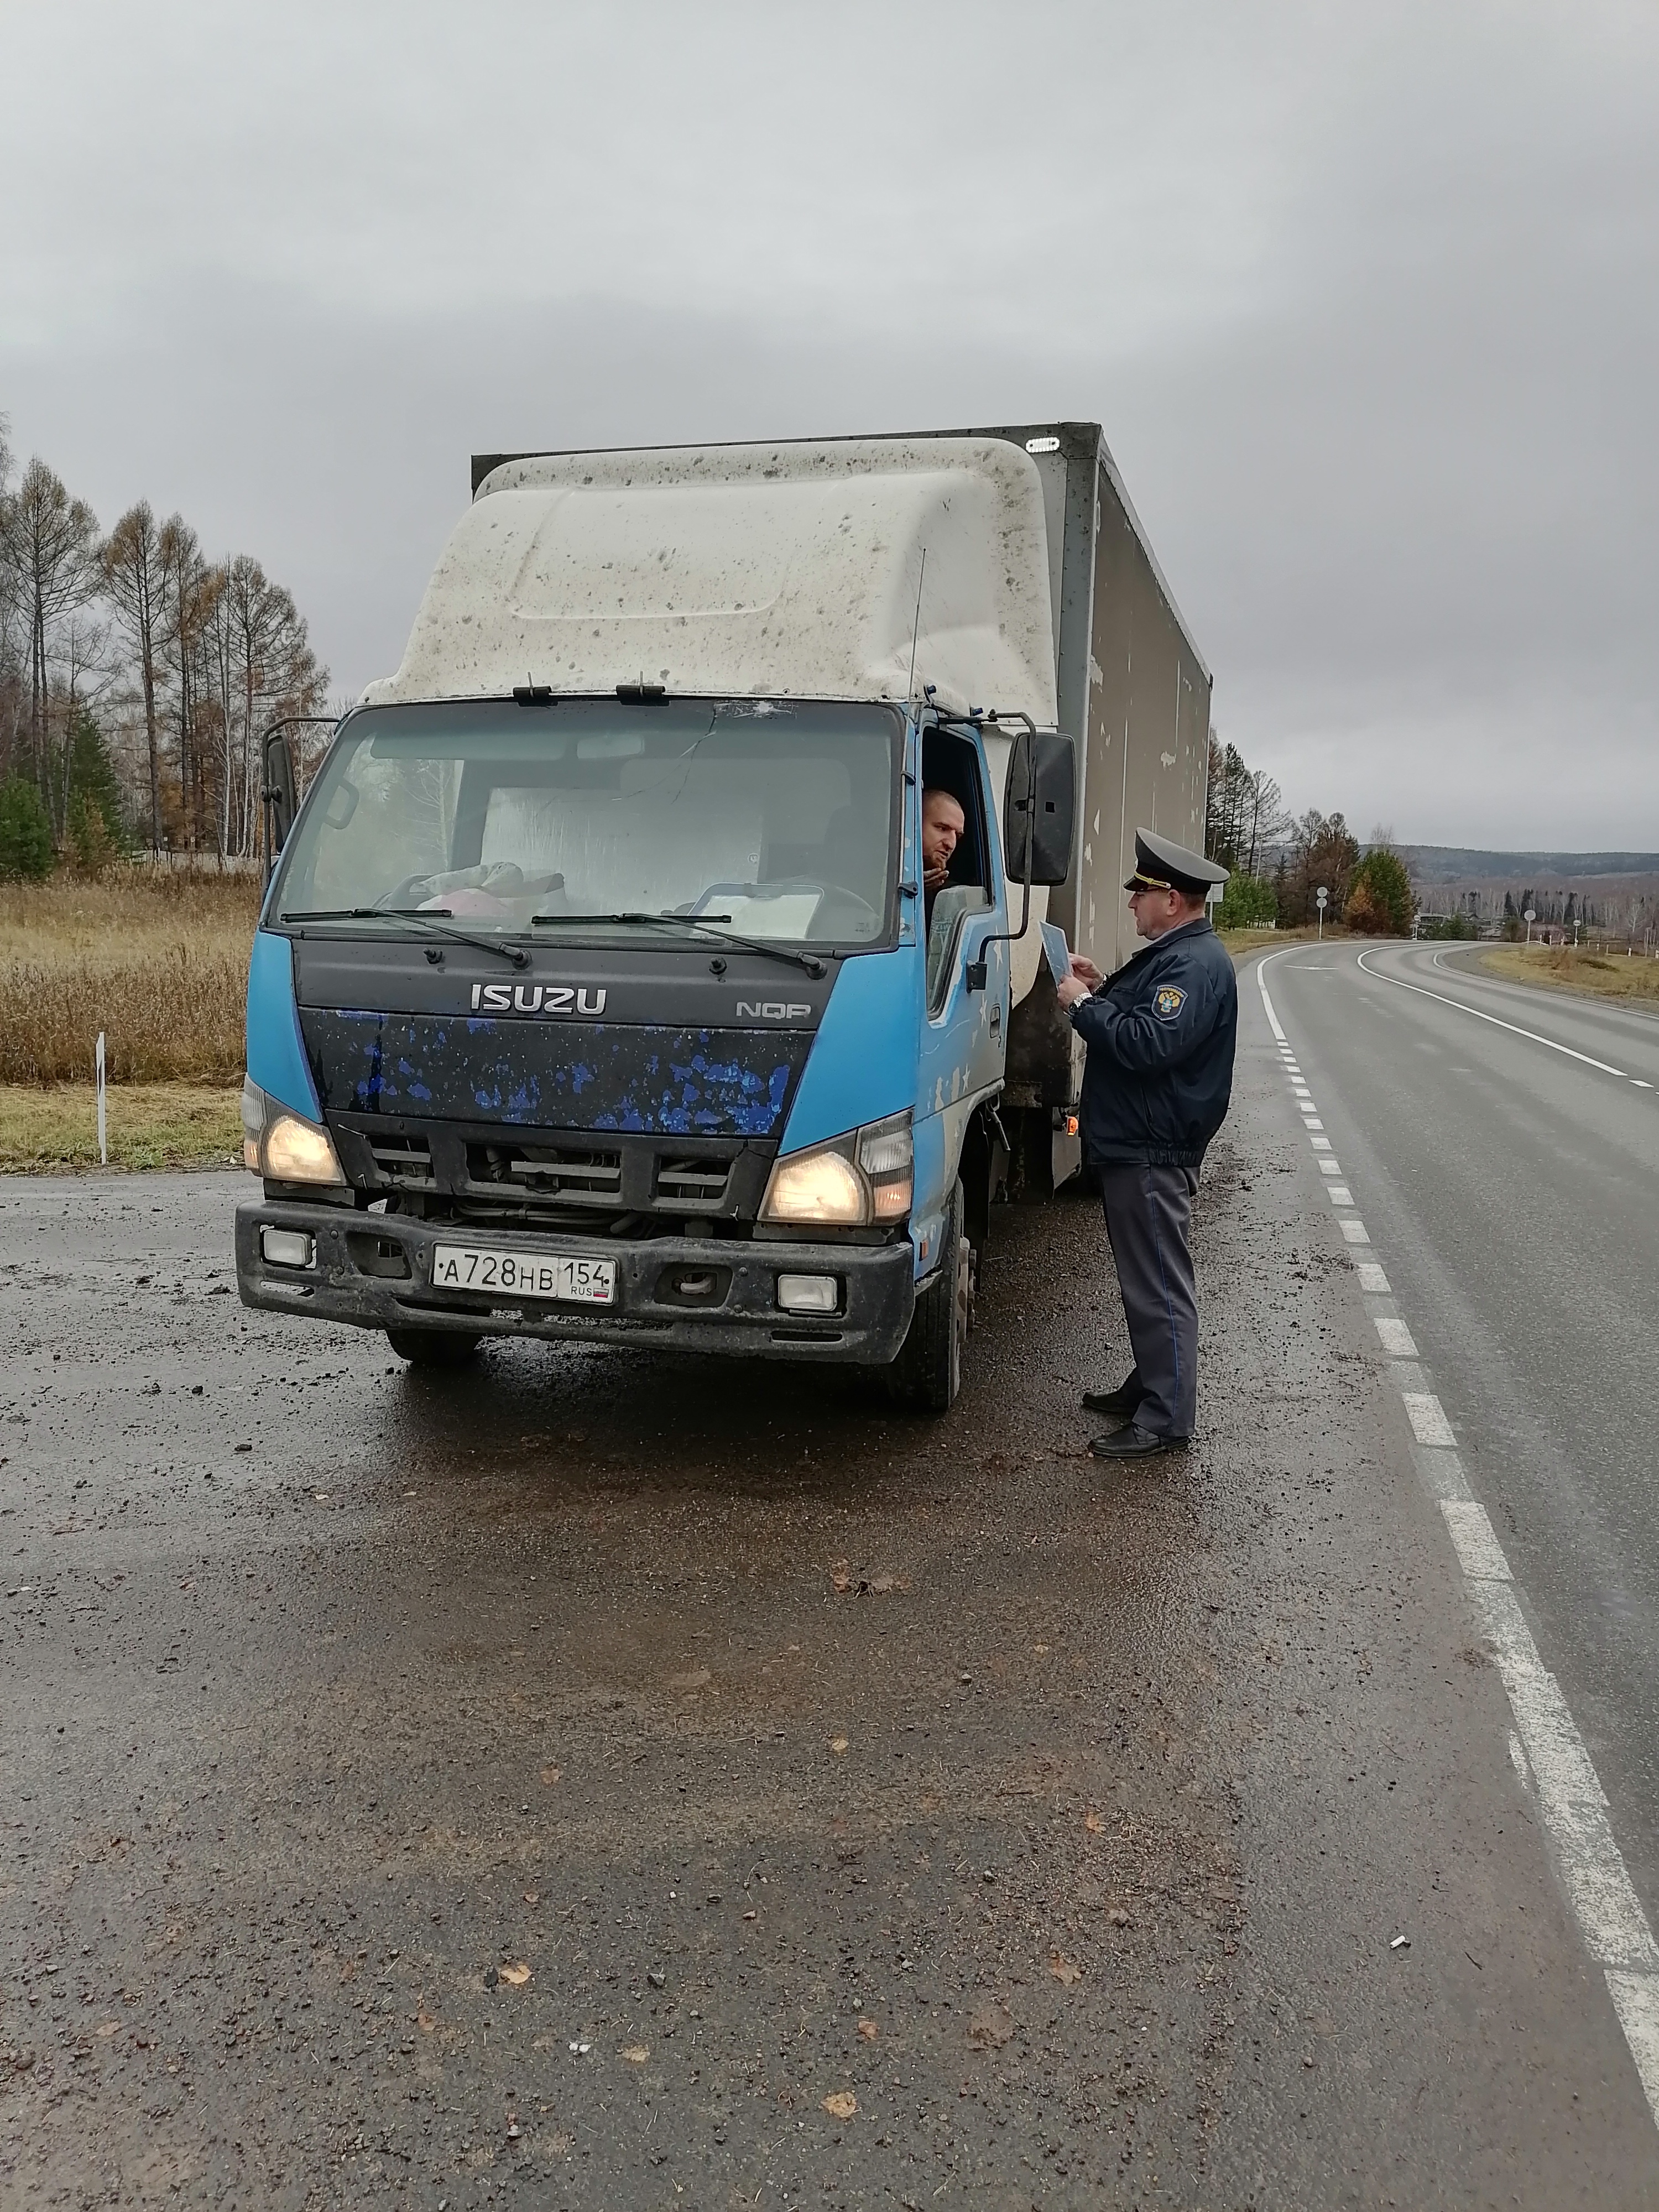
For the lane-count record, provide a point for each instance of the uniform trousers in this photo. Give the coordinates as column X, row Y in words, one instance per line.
column 1148, row 1218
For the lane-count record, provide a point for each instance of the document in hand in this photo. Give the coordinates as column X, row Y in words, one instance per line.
column 1056, row 950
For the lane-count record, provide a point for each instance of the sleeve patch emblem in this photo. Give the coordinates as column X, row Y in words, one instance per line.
column 1168, row 1000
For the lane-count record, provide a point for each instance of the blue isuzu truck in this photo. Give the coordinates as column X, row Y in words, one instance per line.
column 597, row 992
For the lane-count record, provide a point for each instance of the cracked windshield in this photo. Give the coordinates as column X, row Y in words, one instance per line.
column 771, row 818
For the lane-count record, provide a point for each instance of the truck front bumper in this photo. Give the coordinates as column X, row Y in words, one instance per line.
column 374, row 1271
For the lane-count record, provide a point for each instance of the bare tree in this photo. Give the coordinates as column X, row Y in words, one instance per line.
column 51, row 545
column 134, row 579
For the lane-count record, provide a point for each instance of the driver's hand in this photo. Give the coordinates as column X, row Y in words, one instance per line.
column 934, row 879
column 1074, row 989
column 1086, row 972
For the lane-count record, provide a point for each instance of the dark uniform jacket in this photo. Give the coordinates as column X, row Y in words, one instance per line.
column 1160, row 1034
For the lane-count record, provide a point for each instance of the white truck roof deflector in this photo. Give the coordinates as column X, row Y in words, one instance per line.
column 777, row 570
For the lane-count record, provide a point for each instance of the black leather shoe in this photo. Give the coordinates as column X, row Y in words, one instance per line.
column 1121, row 1401
column 1133, row 1442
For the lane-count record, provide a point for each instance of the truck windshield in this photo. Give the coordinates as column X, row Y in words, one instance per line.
column 772, row 818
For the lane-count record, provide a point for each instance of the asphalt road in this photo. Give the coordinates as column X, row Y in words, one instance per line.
column 612, row 1779
column 1516, row 1188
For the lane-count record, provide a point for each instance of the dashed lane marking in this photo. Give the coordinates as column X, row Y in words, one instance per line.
column 1545, row 1745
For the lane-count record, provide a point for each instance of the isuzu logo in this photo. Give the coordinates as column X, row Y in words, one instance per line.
column 536, row 999
column 771, row 1010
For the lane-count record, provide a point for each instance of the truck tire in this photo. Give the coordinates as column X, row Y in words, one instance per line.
column 927, row 1373
column 432, row 1347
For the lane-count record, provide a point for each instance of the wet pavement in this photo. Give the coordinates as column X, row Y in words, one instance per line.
column 605, row 1778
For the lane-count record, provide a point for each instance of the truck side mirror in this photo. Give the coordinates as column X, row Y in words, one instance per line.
column 1039, row 807
column 278, row 794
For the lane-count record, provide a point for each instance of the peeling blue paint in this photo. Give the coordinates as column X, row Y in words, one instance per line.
column 591, row 1075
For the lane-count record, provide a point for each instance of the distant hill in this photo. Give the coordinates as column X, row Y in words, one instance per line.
column 1460, row 864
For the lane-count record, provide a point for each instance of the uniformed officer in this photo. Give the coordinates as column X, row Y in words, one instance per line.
column 1160, row 1034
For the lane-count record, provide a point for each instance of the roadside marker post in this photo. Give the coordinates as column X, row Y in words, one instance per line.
column 1320, row 897
column 103, row 1121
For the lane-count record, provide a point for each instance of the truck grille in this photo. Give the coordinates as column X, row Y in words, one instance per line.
column 550, row 1171
column 698, row 1185
column 596, row 1181
column 403, row 1162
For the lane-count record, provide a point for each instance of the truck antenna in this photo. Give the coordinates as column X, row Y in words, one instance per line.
column 915, row 627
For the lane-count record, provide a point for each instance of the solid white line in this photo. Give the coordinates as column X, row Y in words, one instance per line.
column 1514, row 1031
column 1427, row 1418
column 1635, row 2000
column 1546, row 1749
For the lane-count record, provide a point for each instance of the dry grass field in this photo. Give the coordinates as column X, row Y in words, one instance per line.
column 159, row 963
column 52, row 1128
column 1564, row 968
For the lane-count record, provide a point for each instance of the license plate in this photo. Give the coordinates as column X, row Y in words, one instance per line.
column 525, row 1274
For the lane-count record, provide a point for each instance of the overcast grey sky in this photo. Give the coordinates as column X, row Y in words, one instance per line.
column 1366, row 296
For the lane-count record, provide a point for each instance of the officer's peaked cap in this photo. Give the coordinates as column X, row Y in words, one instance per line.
column 1161, row 864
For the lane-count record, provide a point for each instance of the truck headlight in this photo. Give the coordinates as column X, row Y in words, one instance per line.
column 850, row 1182
column 283, row 1146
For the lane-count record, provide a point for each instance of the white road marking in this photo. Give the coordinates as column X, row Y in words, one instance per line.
column 1479, row 1551
column 1313, row 1124
column 1339, row 1193
column 1321, row 1144
column 1547, row 1750
column 1513, row 1028
column 1329, row 1167
column 1427, row 1417
column 1353, row 1230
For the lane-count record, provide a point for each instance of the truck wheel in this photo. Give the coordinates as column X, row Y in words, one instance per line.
column 927, row 1373
column 432, row 1347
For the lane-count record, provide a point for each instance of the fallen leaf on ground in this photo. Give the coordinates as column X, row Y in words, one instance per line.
column 1064, row 1969
column 425, row 2022
column 841, row 2104
column 549, row 1775
column 107, row 2027
column 989, row 2026
column 1094, row 1824
column 533, row 1896
column 839, row 1579
column 868, row 2030
column 839, row 1743
column 515, row 1973
column 635, row 2053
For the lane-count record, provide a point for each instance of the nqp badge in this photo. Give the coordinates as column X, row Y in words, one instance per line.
column 1168, row 1000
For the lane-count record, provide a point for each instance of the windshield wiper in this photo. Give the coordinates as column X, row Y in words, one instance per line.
column 809, row 961
column 433, row 916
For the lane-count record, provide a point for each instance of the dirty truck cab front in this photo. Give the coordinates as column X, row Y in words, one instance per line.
column 618, row 1010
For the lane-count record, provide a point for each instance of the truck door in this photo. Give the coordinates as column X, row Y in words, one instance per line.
column 966, row 1020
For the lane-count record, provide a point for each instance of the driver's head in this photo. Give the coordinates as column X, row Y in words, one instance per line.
column 942, row 824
